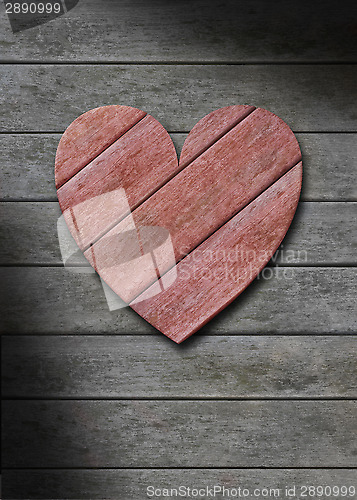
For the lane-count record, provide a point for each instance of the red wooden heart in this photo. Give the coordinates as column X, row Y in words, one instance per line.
column 178, row 241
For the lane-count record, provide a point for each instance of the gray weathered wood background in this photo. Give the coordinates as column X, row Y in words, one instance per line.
column 97, row 404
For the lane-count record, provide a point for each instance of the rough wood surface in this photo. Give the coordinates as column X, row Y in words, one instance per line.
column 179, row 433
column 130, row 367
column 185, row 31
column 210, row 129
column 116, row 181
column 89, row 135
column 283, row 301
column 131, row 484
column 310, row 98
column 321, row 233
column 329, row 160
column 307, row 97
column 215, row 273
column 111, row 159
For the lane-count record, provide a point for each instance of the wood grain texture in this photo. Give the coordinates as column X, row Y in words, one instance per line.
column 219, row 270
column 131, row 484
column 329, row 160
column 115, row 181
column 310, row 98
column 179, row 433
column 147, row 367
column 321, row 233
column 170, row 31
column 89, row 135
column 210, row 129
column 283, row 301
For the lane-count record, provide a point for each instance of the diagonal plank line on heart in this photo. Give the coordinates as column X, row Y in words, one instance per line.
column 217, row 138
column 107, row 146
column 220, row 227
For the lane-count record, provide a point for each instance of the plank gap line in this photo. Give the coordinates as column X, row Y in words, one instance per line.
column 239, row 334
column 176, row 63
column 271, row 265
column 180, row 468
column 60, row 132
column 105, row 149
column 183, row 399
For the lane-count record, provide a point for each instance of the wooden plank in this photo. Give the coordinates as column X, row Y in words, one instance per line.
column 132, row 484
column 167, row 31
column 283, row 301
column 321, row 233
column 216, row 272
column 328, row 163
column 179, row 434
column 307, row 97
column 127, row 366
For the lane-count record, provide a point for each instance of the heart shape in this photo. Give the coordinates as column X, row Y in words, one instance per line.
column 178, row 241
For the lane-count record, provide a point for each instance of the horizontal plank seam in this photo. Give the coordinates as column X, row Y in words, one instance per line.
column 223, row 335
column 301, row 202
column 178, row 468
column 103, row 151
column 248, row 333
column 139, row 62
column 168, row 179
column 294, row 131
column 55, row 200
column 60, row 132
column 270, row 265
column 19, row 399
